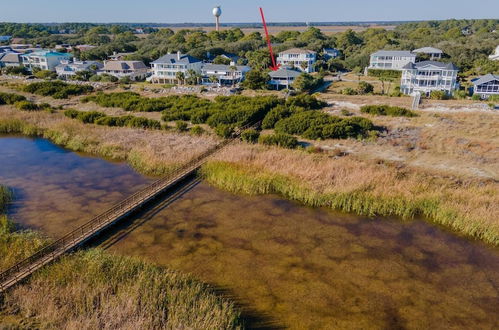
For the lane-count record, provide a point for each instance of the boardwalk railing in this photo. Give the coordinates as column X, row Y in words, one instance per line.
column 68, row 242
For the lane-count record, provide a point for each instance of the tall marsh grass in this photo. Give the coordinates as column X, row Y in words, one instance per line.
column 440, row 207
column 98, row 290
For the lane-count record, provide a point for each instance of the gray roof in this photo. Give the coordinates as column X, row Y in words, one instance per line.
column 174, row 58
column 284, row 73
column 428, row 50
column 124, row 65
column 485, row 79
column 440, row 65
column 404, row 53
column 11, row 58
column 223, row 67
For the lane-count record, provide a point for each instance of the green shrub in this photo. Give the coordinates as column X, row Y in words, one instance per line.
column 348, row 91
column 438, row 95
column 365, row 88
column 224, row 131
column 71, row 113
column 345, row 112
column 11, row 98
column 141, row 122
column 181, row 126
column 250, row 136
column 476, row 97
column 89, row 117
column 386, row 110
column 312, row 125
column 57, row 89
column 279, row 139
column 46, row 74
column 197, row 130
column 26, row 106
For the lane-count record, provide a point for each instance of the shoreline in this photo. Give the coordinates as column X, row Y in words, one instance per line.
column 238, row 176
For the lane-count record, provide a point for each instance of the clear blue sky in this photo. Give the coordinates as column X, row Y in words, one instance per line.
column 179, row 11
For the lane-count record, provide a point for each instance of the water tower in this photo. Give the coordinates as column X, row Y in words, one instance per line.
column 217, row 12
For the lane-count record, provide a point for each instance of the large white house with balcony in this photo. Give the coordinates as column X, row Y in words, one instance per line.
column 165, row 68
column 44, row 60
column 302, row 59
column 225, row 74
column 486, row 86
column 428, row 76
column 391, row 59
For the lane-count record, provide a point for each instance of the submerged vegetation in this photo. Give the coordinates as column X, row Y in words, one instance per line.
column 57, row 89
column 93, row 289
column 365, row 189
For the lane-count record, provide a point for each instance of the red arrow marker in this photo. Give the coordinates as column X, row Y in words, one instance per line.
column 274, row 66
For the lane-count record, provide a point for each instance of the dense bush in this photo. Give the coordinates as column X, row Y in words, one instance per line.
column 57, row 89
column 365, row 88
column 27, row 106
column 46, row 74
column 15, row 71
column 250, row 136
column 438, row 95
column 224, row 131
column 386, row 110
column 181, row 126
column 99, row 118
column 197, row 130
column 318, row 125
column 348, row 91
column 279, row 139
column 10, row 98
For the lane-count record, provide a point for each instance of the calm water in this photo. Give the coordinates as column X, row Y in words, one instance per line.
column 290, row 265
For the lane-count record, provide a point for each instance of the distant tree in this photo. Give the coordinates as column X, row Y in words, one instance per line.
column 256, row 79
column 221, row 60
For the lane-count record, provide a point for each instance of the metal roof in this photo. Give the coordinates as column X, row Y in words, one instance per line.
column 403, row 53
column 440, row 65
column 284, row 73
column 428, row 50
column 485, row 79
column 298, row 51
column 176, row 58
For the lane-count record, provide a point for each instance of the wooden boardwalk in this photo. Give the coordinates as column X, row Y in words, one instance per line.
column 80, row 235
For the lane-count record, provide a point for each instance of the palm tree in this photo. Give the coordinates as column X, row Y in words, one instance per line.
column 233, row 70
column 304, row 65
column 214, row 79
column 180, row 76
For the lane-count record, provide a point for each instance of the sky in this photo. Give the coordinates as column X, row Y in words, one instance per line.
column 199, row 11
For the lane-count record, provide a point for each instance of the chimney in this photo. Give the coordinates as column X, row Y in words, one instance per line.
column 178, row 55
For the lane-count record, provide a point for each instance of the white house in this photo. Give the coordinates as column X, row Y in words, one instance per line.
column 495, row 56
column 486, row 86
column 135, row 70
column 297, row 58
column 68, row 69
column 391, row 59
column 283, row 78
column 44, row 60
column 165, row 68
column 226, row 74
column 428, row 76
column 433, row 53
